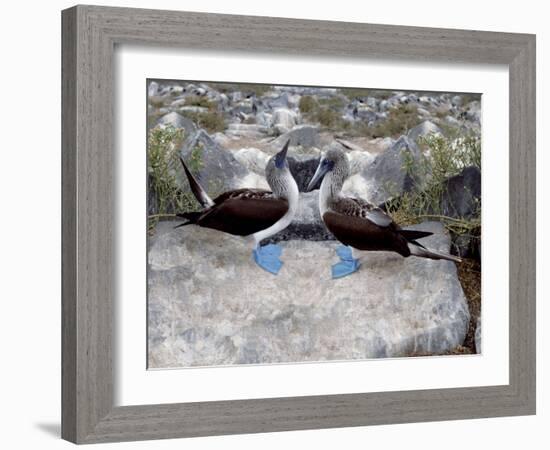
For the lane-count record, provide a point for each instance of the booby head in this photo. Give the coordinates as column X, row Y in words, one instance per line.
column 278, row 175
column 334, row 166
column 278, row 160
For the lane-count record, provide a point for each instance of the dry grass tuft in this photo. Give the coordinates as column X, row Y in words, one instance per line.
column 469, row 274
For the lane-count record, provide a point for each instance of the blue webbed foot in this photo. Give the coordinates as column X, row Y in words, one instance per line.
column 347, row 264
column 267, row 257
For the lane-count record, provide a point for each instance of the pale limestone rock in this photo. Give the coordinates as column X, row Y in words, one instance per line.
column 423, row 129
column 284, row 120
column 209, row 304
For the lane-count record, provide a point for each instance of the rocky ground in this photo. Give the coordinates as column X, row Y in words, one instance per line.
column 400, row 307
column 209, row 304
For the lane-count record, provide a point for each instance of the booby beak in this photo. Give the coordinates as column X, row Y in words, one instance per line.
column 321, row 171
column 281, row 156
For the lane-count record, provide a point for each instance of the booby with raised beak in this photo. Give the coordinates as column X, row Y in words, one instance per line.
column 252, row 213
column 358, row 224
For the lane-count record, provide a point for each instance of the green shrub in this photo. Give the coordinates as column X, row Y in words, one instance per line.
column 256, row 89
column 468, row 98
column 307, row 104
column 211, row 121
column 247, row 88
column 327, row 118
column 202, row 101
column 399, row 121
column 445, row 158
column 352, row 93
column 332, row 102
column 162, row 161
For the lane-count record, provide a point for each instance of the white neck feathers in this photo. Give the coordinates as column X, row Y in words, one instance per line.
column 327, row 193
column 292, row 196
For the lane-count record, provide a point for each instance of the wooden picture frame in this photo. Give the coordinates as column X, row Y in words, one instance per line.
column 90, row 34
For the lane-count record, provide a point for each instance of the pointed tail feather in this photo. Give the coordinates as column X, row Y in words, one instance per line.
column 432, row 254
column 191, row 218
column 412, row 235
column 199, row 193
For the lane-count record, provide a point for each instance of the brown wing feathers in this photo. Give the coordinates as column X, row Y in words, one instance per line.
column 240, row 212
column 363, row 234
column 361, row 225
column 243, row 216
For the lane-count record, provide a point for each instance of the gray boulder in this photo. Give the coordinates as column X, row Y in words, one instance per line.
column 462, row 195
column 450, row 120
column 303, row 135
column 461, row 198
column 253, row 159
column 386, row 177
column 423, row 112
column 264, row 119
column 153, row 89
column 178, row 102
column 209, row 304
column 245, row 106
column 372, row 102
column 193, row 109
column 472, row 112
column 252, row 131
column 278, row 100
column 423, row 129
column 235, row 96
column 365, row 113
column 178, row 121
column 284, row 120
column 456, row 100
column 215, row 168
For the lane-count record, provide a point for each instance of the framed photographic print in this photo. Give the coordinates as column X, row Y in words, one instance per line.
column 267, row 230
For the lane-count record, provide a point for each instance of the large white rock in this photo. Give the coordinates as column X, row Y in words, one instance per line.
column 252, row 131
column 209, row 304
column 423, row 129
column 284, row 120
column 178, row 121
column 253, row 159
column 385, row 177
column 302, row 135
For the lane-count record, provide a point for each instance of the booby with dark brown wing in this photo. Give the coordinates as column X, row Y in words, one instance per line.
column 253, row 213
column 359, row 225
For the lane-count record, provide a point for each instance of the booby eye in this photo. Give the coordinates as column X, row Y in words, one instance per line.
column 280, row 161
column 328, row 164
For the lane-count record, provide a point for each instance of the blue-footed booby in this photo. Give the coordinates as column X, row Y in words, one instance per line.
column 358, row 224
column 252, row 213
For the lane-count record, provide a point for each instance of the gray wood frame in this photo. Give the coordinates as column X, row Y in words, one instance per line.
column 89, row 36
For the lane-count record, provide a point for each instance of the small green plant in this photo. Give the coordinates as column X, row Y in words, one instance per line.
column 162, row 159
column 332, row 102
column 196, row 100
column 256, row 89
column 399, row 121
column 324, row 111
column 327, row 117
column 352, row 93
column 247, row 88
column 157, row 101
column 195, row 161
column 445, row 158
column 307, row 104
column 211, row 121
column 468, row 98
